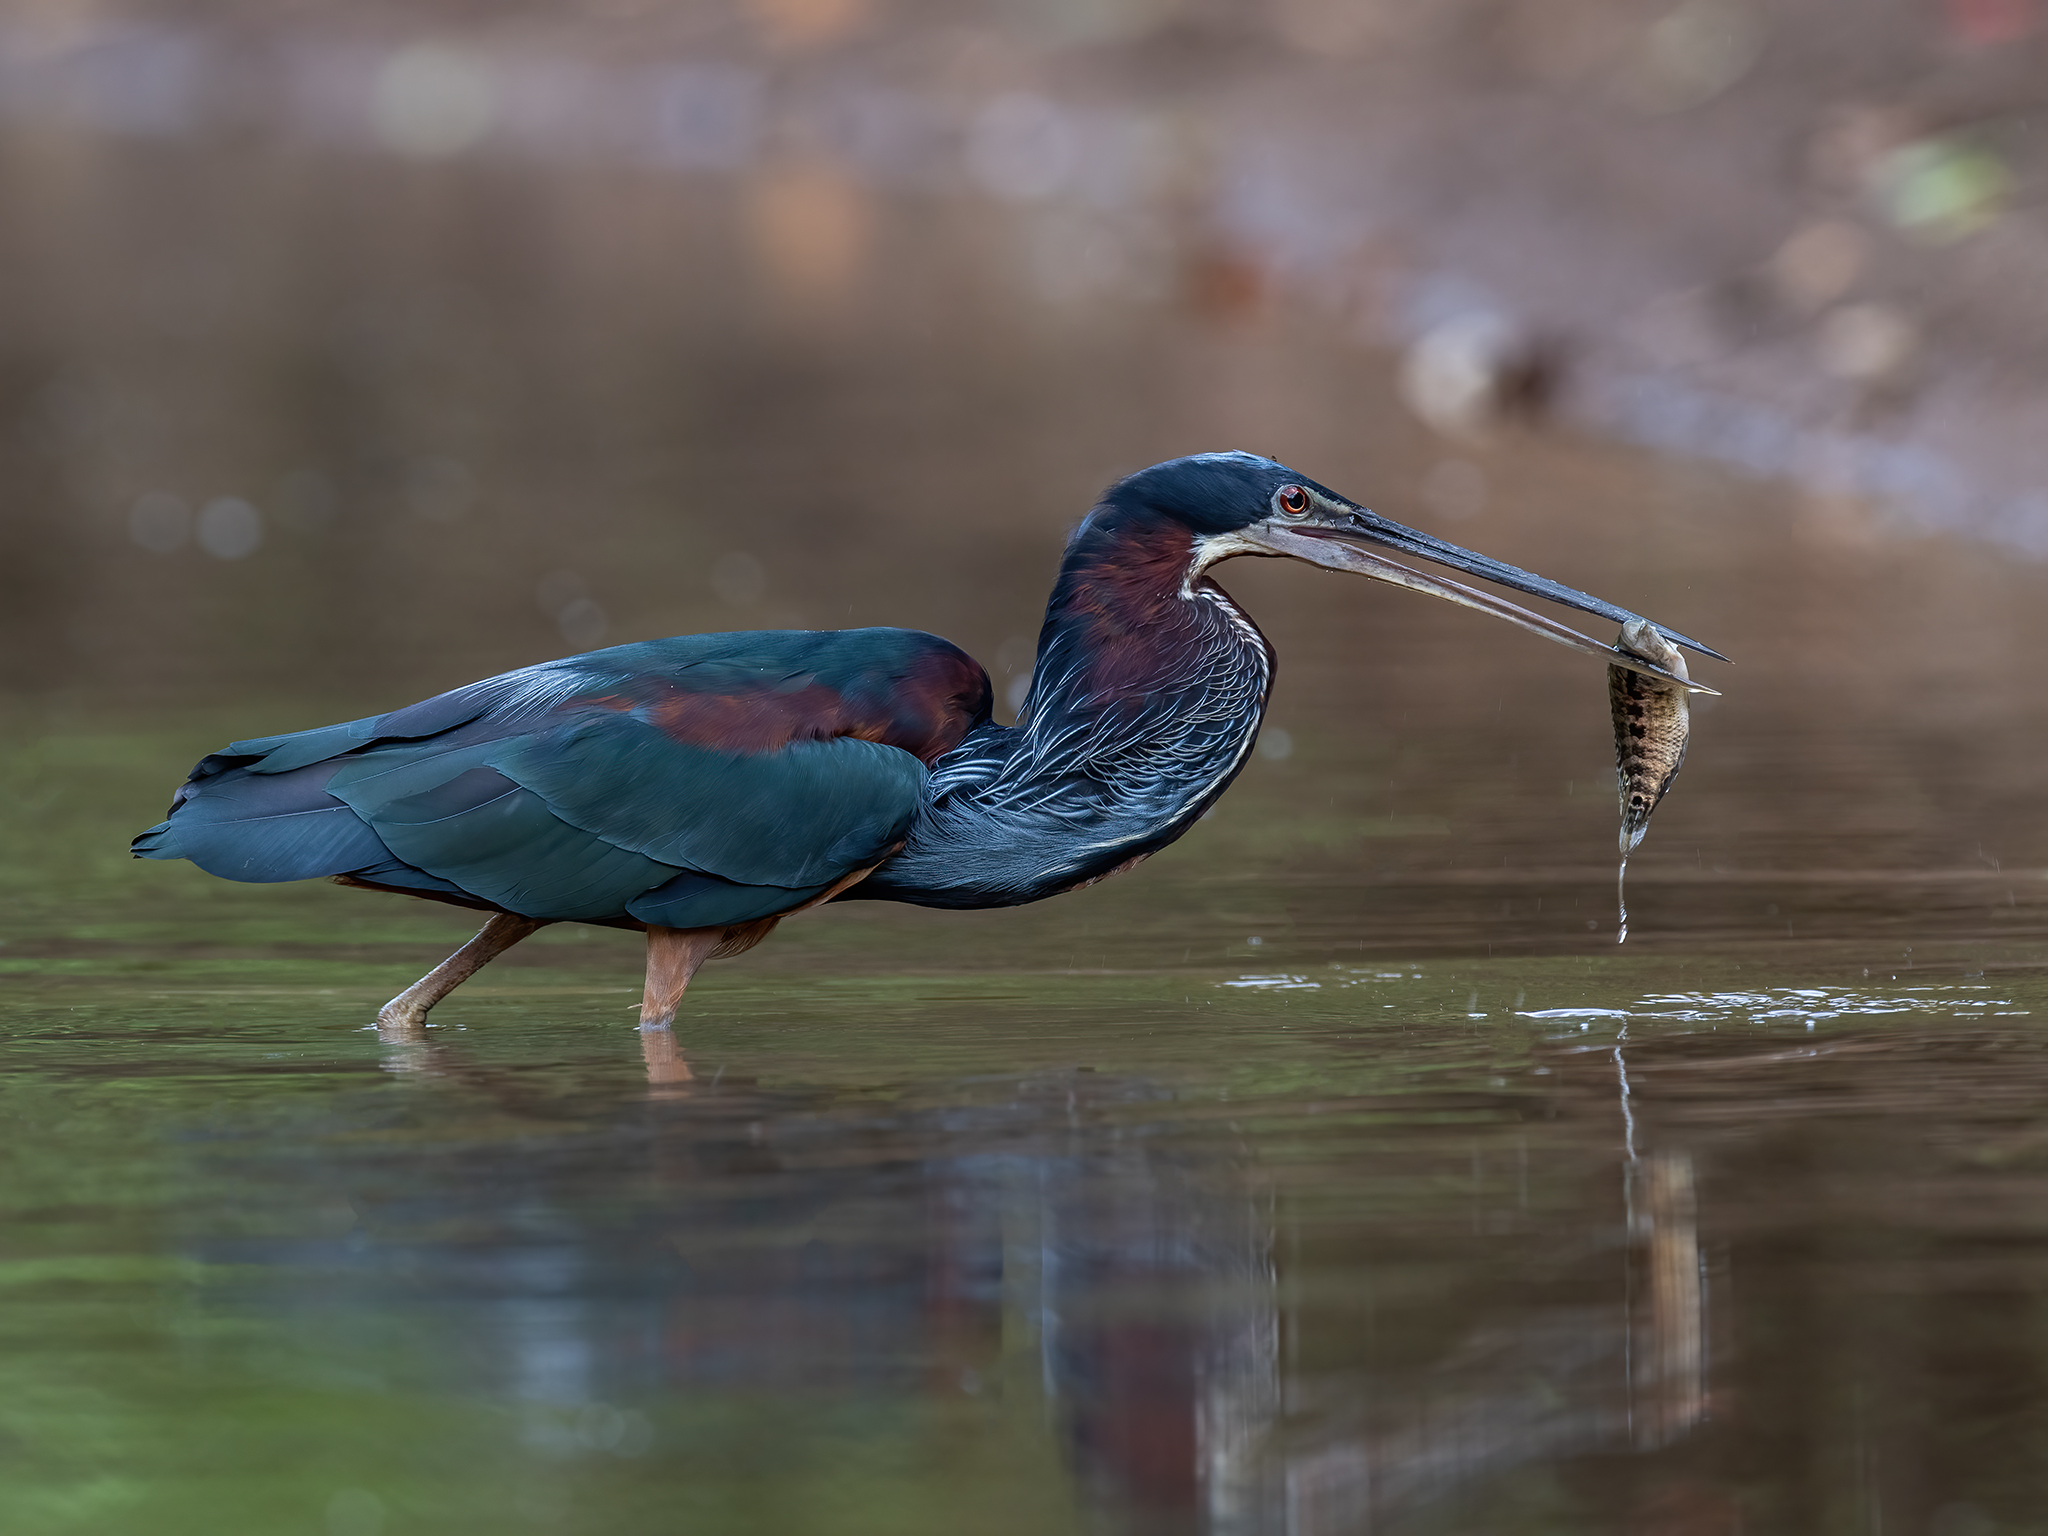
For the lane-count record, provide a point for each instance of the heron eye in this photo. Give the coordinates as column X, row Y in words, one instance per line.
column 1293, row 500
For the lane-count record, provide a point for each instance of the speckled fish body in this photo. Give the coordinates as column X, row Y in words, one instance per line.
column 1651, row 723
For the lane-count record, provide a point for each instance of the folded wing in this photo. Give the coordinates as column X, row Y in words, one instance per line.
column 689, row 782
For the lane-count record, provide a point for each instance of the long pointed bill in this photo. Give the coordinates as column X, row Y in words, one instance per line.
column 1372, row 528
column 1334, row 550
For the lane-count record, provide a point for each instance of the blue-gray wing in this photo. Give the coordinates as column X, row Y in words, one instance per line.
column 688, row 783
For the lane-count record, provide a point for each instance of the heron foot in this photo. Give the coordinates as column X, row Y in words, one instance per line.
column 397, row 1021
column 405, row 1016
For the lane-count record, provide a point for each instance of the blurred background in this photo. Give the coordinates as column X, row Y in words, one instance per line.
column 349, row 355
column 362, row 334
column 1334, row 1172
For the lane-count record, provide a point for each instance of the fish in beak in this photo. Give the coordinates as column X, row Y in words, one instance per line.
column 1308, row 523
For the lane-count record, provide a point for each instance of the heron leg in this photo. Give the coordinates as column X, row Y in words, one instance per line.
column 406, row 1013
column 673, row 955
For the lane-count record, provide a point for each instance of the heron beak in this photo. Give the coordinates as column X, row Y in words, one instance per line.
column 1339, row 546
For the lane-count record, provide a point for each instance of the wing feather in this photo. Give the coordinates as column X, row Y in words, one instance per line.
column 593, row 789
column 265, row 830
column 805, row 815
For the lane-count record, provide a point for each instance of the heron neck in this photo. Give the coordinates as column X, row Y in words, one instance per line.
column 1120, row 612
column 1147, row 694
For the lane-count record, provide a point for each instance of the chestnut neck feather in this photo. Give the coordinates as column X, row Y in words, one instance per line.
column 1145, row 699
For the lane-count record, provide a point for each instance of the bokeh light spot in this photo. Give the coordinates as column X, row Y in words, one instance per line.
column 1819, row 263
column 812, row 228
column 1459, row 375
column 807, row 23
column 432, row 101
column 584, row 623
column 1692, row 54
column 229, row 528
column 1988, row 23
column 1942, row 187
column 1867, row 343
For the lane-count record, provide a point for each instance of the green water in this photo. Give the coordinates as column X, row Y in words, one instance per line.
column 1335, row 1171
column 1195, row 1202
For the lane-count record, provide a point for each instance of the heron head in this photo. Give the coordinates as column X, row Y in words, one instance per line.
column 1239, row 504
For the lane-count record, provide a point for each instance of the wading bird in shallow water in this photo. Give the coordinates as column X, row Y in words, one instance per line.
column 704, row 788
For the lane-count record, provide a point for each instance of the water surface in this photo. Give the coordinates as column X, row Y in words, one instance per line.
column 1335, row 1171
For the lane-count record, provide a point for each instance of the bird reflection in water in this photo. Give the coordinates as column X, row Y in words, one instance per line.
column 1624, row 1371
column 1668, row 1381
column 1069, row 1249
column 413, row 1053
column 1667, row 1393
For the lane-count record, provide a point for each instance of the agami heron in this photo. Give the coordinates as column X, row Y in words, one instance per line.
column 705, row 787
